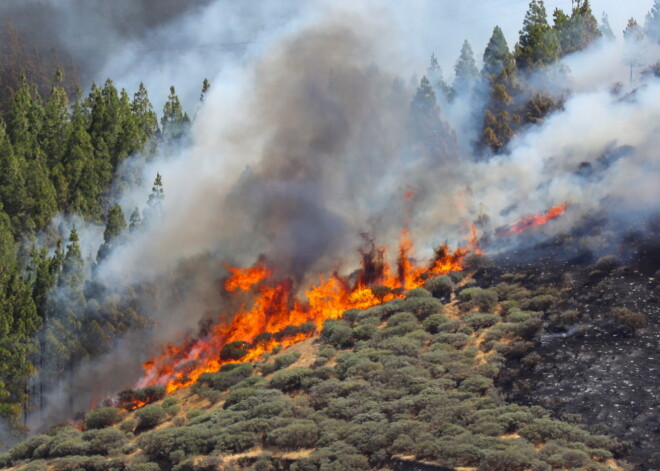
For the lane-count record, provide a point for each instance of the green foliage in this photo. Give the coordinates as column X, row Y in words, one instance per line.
column 106, row 441
column 337, row 333
column 292, row 379
column 538, row 44
column 440, row 286
column 226, row 378
column 150, row 416
column 297, row 435
column 101, row 418
column 577, row 31
column 465, row 70
column 484, row 299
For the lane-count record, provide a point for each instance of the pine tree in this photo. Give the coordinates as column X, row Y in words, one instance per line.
column 55, row 128
column 435, row 76
column 538, row 44
column 72, row 269
column 652, row 24
column 146, row 120
column 175, row 121
column 577, row 31
column 25, row 120
column 430, row 134
column 466, row 73
column 13, row 192
column 154, row 208
column 206, row 86
column 135, row 221
column 115, row 226
column 606, row 29
column 498, row 60
column 84, row 187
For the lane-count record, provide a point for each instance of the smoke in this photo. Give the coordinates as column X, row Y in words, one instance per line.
column 305, row 142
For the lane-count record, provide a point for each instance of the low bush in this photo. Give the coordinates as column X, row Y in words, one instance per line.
column 337, row 333
column 101, row 418
column 150, row 416
column 480, row 321
column 228, row 376
column 292, row 379
column 423, row 307
column 483, row 299
column 440, row 286
column 295, row 436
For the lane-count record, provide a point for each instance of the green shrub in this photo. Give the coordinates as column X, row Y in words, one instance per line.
column 26, row 449
column 337, row 333
column 292, row 379
column 542, row 430
column 475, row 384
column 484, row 299
column 434, row 322
column 418, row 293
column 455, row 340
column 298, row 435
column 540, row 303
column 440, row 286
column 105, row 441
column 101, row 418
column 37, row 465
column 423, row 307
column 226, row 377
column 480, row 321
column 150, row 416
column 143, row 467
column 286, row 359
column 401, row 346
column 402, row 318
column 506, row 460
column 194, row 413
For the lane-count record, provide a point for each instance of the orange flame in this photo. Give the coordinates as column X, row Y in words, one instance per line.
column 535, row 220
column 267, row 324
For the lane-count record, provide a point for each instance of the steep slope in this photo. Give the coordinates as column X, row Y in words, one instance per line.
column 404, row 385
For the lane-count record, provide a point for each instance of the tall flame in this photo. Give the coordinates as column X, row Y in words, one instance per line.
column 266, row 324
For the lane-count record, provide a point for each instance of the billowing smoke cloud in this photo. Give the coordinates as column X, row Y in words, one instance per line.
column 308, row 144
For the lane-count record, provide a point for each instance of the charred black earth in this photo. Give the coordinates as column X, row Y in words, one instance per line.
column 598, row 349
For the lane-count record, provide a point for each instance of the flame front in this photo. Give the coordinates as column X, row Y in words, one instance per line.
column 264, row 325
column 535, row 220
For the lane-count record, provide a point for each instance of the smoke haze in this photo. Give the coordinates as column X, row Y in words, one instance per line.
column 304, row 142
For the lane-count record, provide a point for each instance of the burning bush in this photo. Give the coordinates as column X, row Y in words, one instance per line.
column 235, row 350
column 131, row 398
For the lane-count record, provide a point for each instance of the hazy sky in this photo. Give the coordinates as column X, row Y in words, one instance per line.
column 474, row 20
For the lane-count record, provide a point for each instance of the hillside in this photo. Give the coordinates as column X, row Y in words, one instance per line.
column 408, row 384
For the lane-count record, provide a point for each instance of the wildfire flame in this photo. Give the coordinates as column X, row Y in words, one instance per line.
column 267, row 323
column 535, row 220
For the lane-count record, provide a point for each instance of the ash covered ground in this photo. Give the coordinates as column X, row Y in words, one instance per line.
column 599, row 348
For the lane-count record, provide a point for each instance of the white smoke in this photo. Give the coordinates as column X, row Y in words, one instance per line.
column 299, row 147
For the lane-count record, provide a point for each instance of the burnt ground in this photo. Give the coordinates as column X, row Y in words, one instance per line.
column 594, row 369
